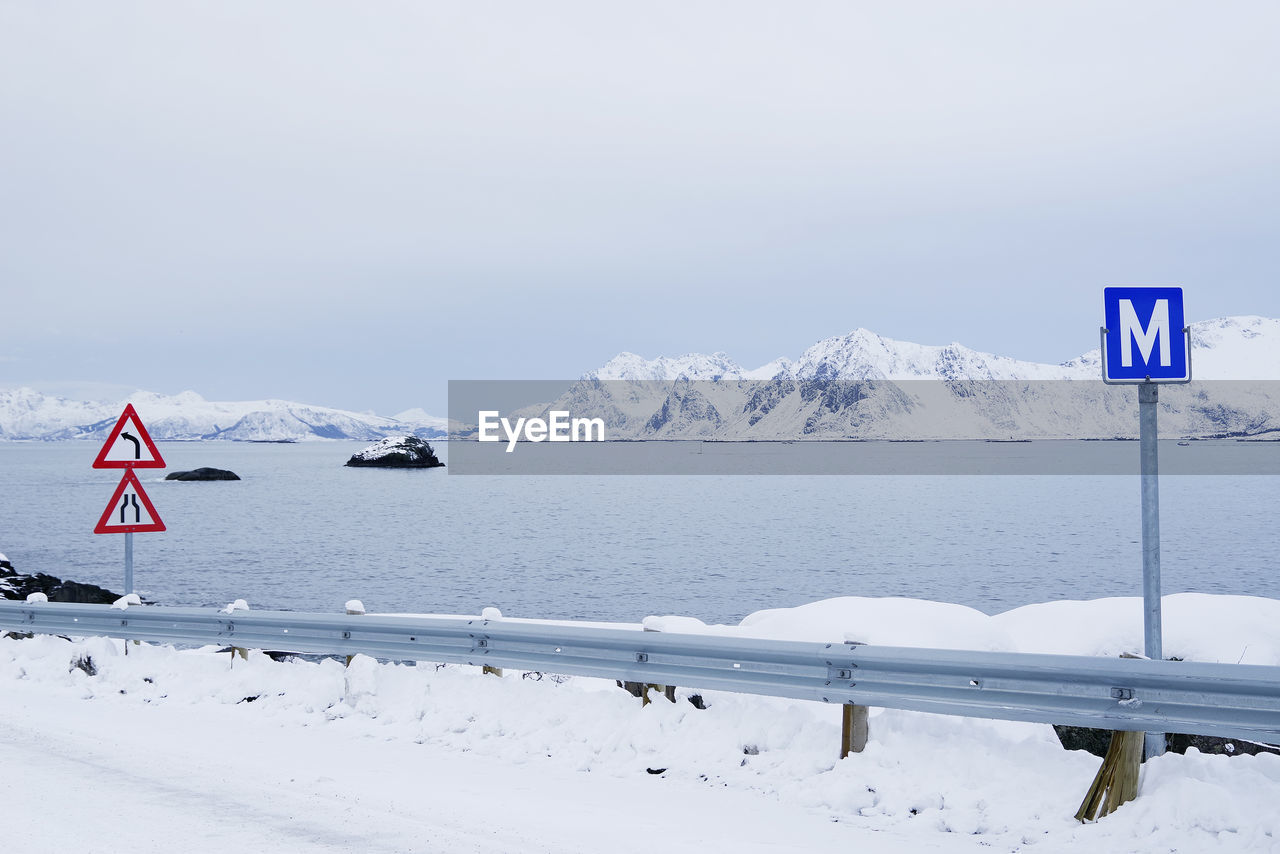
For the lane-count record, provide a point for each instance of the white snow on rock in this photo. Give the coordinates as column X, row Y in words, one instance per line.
column 381, row 448
column 410, row 451
column 33, row 598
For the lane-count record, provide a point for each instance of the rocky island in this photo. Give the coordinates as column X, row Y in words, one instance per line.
column 403, row 452
column 203, row 473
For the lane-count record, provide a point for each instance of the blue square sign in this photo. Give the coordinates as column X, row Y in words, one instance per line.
column 1143, row 340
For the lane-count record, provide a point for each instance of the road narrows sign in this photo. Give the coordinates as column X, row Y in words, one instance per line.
column 129, row 445
column 129, row 511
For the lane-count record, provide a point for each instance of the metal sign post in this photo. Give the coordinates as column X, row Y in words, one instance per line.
column 1148, row 397
column 128, row 563
column 1141, row 344
column 129, row 510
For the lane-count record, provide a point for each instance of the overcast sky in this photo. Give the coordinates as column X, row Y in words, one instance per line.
column 351, row 203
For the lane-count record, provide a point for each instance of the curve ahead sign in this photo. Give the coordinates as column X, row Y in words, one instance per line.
column 1146, row 336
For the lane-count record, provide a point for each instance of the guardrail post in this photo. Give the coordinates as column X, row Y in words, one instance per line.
column 354, row 608
column 641, row 689
column 853, row 729
column 1116, row 782
column 232, row 607
column 487, row 614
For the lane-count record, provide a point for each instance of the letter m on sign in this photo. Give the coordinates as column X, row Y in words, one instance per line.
column 1143, row 340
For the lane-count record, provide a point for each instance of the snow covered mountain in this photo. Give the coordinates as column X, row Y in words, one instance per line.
column 28, row 414
column 863, row 385
column 860, row 385
column 1246, row 347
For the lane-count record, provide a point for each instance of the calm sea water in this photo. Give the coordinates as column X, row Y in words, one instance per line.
column 301, row 531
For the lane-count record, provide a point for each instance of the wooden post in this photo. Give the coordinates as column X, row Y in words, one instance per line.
column 487, row 614
column 232, row 607
column 641, row 689
column 853, row 729
column 1116, row 782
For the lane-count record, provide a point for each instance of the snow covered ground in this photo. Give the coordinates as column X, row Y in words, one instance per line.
column 165, row 750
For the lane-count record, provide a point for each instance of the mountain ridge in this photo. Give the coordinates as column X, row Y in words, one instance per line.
column 26, row 414
column 815, row 395
column 865, row 386
column 1219, row 346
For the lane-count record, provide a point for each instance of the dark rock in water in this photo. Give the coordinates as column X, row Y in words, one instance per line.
column 14, row 585
column 1096, row 741
column 405, row 452
column 203, row 474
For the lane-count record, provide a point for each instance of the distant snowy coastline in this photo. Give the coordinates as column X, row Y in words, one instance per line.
column 31, row 415
column 782, row 400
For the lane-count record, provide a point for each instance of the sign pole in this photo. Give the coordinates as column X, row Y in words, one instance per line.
column 1148, row 396
column 1141, row 344
column 128, row 563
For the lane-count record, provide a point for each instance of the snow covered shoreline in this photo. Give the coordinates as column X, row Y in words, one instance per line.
column 528, row 745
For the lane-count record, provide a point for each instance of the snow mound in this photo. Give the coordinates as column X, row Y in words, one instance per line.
column 1197, row 626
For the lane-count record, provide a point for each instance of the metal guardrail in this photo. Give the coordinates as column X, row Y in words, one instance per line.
column 1229, row 700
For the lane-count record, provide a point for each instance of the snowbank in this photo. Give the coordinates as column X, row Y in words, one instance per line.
column 925, row 782
column 1197, row 626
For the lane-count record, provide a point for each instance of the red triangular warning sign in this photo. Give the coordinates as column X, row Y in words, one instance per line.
column 129, row 511
column 129, row 446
